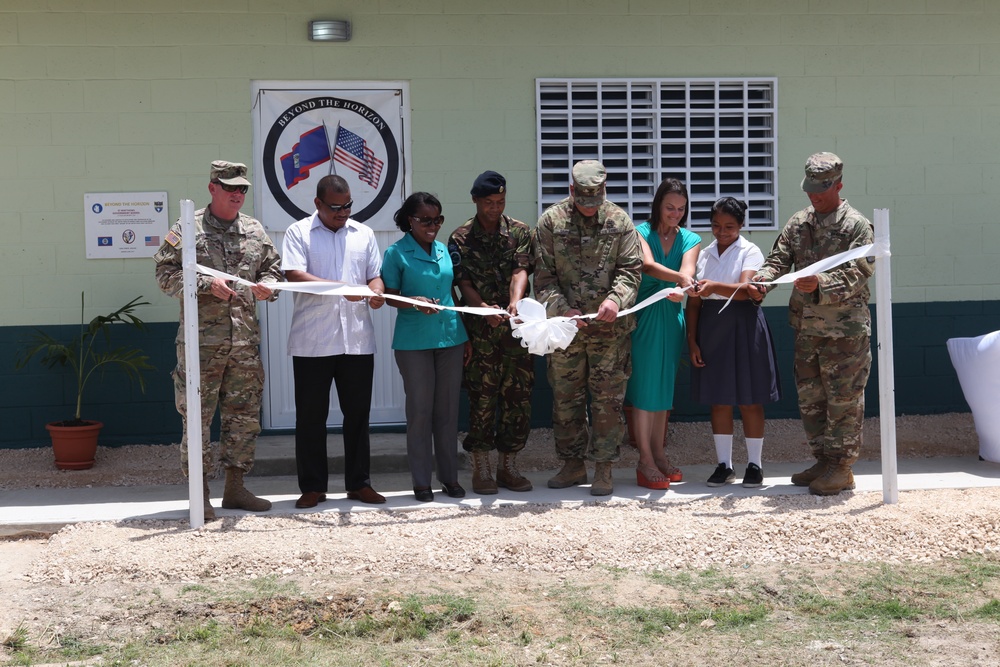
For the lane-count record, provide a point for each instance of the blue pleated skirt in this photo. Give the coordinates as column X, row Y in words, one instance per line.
column 738, row 351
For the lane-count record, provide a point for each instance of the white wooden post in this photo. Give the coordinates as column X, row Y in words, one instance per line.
column 192, row 366
column 886, row 381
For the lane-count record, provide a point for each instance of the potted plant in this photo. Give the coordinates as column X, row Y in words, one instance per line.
column 74, row 441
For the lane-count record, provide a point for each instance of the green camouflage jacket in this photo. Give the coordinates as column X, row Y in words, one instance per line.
column 242, row 249
column 580, row 262
column 839, row 308
column 488, row 260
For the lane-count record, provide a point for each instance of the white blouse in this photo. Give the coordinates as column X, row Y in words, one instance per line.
column 741, row 256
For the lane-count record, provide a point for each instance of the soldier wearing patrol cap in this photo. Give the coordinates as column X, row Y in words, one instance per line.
column 492, row 256
column 832, row 323
column 232, row 375
column 588, row 260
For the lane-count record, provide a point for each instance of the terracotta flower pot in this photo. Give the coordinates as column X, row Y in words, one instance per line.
column 74, row 446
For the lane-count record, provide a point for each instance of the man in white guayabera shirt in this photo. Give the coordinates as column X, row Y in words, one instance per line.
column 332, row 339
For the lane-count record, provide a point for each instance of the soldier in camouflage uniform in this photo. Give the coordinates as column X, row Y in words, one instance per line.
column 832, row 323
column 588, row 260
column 232, row 376
column 492, row 257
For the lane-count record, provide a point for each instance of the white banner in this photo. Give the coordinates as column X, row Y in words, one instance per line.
column 306, row 133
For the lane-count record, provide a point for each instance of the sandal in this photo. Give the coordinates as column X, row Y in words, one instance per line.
column 651, row 477
column 669, row 471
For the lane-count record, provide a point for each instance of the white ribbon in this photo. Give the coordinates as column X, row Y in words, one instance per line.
column 870, row 250
column 328, row 288
column 540, row 335
column 544, row 336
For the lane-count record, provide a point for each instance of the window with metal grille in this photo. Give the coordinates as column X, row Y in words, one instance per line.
column 719, row 136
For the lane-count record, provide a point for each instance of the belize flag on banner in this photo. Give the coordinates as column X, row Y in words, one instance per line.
column 313, row 149
column 352, row 151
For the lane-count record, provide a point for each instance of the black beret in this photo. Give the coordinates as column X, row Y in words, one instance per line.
column 488, row 183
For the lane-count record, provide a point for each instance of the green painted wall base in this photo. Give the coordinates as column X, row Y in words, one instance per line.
column 926, row 383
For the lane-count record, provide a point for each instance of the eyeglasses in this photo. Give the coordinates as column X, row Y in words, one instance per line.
column 428, row 222
column 232, row 188
column 338, row 209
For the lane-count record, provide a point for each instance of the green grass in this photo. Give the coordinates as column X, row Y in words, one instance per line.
column 990, row 611
column 712, row 578
column 597, row 618
column 17, row 640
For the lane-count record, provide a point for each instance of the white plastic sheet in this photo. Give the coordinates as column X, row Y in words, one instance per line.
column 977, row 362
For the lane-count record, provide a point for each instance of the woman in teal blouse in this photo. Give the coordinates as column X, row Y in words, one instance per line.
column 429, row 344
column 670, row 254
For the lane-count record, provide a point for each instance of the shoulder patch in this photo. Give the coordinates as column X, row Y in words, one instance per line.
column 173, row 238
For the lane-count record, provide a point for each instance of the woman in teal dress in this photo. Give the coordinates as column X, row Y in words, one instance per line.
column 670, row 256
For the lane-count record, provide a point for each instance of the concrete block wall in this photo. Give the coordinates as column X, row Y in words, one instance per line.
column 133, row 95
column 137, row 95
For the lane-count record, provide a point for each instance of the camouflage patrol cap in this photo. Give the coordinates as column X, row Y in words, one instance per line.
column 589, row 177
column 823, row 170
column 230, row 173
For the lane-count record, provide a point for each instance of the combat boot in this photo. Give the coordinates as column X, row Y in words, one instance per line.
column 236, row 497
column 508, row 475
column 836, row 478
column 209, row 510
column 573, row 472
column 806, row 477
column 482, row 480
column 603, row 484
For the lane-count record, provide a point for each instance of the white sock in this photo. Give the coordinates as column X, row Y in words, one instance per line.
column 724, row 448
column 754, row 448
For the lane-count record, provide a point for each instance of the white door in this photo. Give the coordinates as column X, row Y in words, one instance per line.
column 365, row 138
column 279, row 396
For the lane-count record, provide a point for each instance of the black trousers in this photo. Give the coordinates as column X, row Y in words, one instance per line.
column 313, row 377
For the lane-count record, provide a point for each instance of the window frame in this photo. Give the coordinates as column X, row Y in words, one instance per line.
column 718, row 135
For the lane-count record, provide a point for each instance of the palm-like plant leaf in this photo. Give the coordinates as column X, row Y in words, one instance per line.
column 80, row 354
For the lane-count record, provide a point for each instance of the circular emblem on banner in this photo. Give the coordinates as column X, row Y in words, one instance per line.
column 128, row 236
column 322, row 135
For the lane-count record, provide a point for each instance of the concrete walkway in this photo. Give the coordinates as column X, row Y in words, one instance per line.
column 25, row 511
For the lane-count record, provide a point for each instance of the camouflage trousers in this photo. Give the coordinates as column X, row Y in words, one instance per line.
column 598, row 365
column 232, row 381
column 498, row 379
column 831, row 374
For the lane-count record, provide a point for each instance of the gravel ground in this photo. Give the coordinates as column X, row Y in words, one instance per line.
column 51, row 582
column 634, row 535
column 639, row 535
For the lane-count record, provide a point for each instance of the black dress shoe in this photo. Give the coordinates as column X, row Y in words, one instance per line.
column 423, row 495
column 454, row 490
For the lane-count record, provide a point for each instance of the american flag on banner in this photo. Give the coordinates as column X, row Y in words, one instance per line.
column 353, row 152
